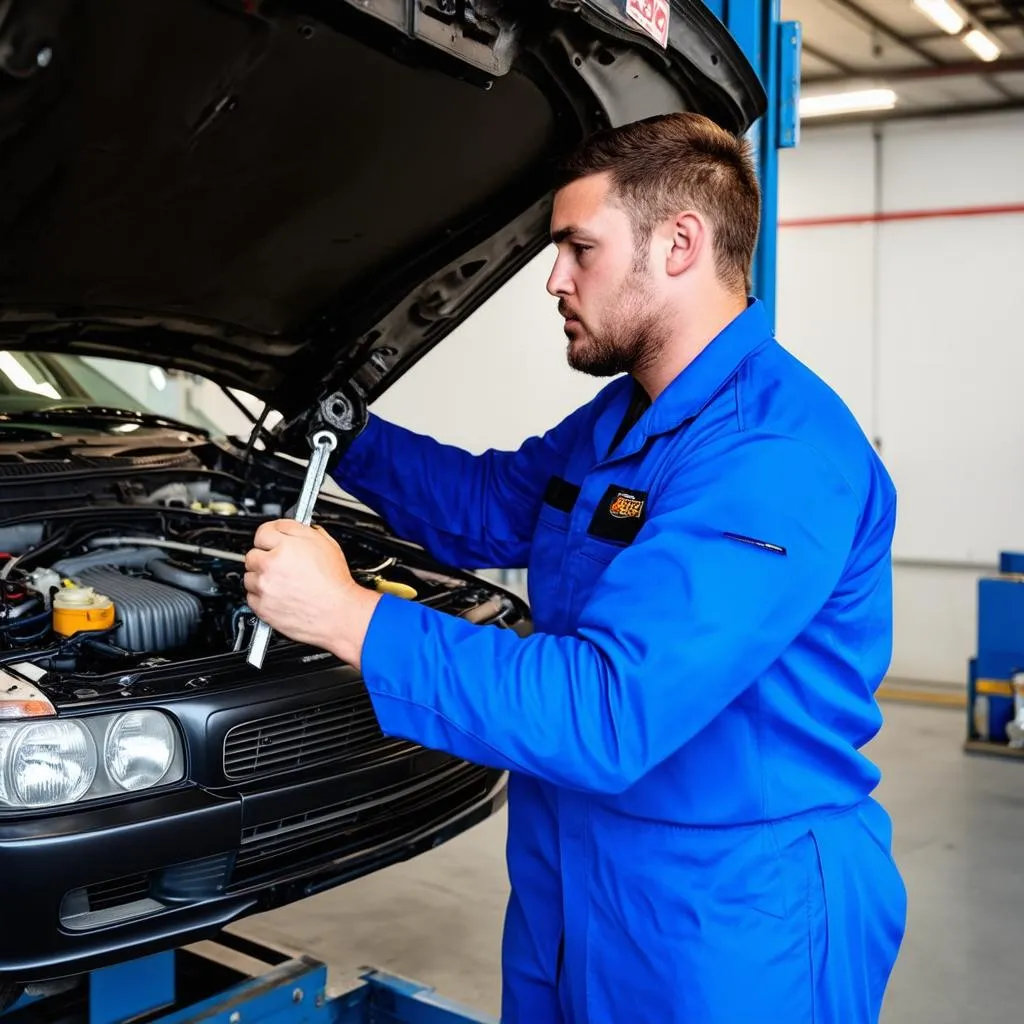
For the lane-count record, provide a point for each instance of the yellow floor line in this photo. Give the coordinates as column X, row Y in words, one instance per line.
column 913, row 695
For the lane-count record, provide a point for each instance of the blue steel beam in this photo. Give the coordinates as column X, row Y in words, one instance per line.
column 773, row 49
column 396, row 1000
column 291, row 993
column 130, row 990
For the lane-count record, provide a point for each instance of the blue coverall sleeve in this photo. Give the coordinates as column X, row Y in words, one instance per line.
column 475, row 511
column 743, row 548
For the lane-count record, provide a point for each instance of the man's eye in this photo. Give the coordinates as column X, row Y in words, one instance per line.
column 580, row 249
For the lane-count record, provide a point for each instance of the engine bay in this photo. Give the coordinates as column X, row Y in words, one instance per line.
column 87, row 593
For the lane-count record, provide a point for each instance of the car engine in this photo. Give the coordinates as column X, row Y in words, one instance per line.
column 148, row 584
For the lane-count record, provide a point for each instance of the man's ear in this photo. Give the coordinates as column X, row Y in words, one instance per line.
column 689, row 236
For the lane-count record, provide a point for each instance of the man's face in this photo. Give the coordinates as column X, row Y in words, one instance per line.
column 613, row 319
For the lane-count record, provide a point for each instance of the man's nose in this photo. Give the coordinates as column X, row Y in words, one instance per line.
column 560, row 281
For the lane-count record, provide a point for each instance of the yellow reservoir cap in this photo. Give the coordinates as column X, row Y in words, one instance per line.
column 402, row 590
column 80, row 608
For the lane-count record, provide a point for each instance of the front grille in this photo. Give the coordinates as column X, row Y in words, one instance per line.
column 361, row 823
column 331, row 731
column 118, row 892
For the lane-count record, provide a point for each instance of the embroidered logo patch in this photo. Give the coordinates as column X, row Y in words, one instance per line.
column 626, row 506
column 619, row 515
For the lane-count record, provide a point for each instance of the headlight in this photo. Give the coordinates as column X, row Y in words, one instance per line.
column 47, row 763
column 55, row 762
column 139, row 749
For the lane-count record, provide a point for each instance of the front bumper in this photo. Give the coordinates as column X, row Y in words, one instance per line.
column 98, row 886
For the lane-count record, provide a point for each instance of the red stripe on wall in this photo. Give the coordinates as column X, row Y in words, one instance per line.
column 881, row 218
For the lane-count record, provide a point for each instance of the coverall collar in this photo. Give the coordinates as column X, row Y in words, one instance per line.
column 697, row 384
column 694, row 386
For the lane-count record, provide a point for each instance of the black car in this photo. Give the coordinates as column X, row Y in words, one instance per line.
column 289, row 199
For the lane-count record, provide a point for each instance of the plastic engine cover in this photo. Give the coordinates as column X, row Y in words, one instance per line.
column 153, row 616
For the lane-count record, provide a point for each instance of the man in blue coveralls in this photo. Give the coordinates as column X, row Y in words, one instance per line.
column 691, row 832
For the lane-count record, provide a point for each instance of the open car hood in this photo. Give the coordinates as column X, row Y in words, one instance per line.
column 287, row 196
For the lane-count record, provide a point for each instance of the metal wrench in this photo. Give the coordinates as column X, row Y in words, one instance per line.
column 324, row 442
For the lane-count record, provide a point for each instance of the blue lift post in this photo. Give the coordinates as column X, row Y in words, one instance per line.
column 173, row 987
column 773, row 48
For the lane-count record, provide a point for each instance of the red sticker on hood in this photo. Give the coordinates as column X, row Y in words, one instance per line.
column 652, row 16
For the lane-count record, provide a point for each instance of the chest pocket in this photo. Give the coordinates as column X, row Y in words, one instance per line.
column 545, row 571
column 617, row 519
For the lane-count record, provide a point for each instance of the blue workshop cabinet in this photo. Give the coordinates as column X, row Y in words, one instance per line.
column 999, row 657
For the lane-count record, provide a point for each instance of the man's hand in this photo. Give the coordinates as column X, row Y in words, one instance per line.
column 298, row 582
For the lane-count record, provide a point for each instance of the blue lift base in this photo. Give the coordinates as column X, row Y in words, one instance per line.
column 188, row 987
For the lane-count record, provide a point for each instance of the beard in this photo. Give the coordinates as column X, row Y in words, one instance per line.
column 635, row 337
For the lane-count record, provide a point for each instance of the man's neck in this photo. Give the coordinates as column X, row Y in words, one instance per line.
column 690, row 336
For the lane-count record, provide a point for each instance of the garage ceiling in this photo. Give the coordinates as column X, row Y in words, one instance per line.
column 853, row 45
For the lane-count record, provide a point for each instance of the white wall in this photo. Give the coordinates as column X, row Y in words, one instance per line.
column 826, row 282
column 500, row 377
column 912, row 322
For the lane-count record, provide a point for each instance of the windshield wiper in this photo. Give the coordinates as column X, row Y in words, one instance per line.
column 89, row 414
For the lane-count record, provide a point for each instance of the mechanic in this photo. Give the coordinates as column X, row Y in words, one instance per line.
column 692, row 836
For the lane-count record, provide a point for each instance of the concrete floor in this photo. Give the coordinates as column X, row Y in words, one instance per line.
column 959, row 825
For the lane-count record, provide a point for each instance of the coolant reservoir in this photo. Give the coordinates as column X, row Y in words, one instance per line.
column 44, row 582
column 80, row 608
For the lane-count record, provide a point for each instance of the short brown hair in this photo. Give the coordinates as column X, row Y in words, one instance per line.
column 673, row 162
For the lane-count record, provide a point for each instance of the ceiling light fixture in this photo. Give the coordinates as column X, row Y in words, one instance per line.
column 983, row 46
column 943, row 13
column 847, row 102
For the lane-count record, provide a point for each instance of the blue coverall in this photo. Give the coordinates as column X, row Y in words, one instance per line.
column 691, row 832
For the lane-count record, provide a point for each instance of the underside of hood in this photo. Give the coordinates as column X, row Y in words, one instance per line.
column 287, row 196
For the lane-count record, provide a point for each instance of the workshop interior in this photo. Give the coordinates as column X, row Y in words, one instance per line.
column 229, row 229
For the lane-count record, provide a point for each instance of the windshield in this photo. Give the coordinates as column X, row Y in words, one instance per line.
column 36, row 381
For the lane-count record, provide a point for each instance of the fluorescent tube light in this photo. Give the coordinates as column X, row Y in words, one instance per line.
column 847, row 102
column 984, row 46
column 943, row 13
